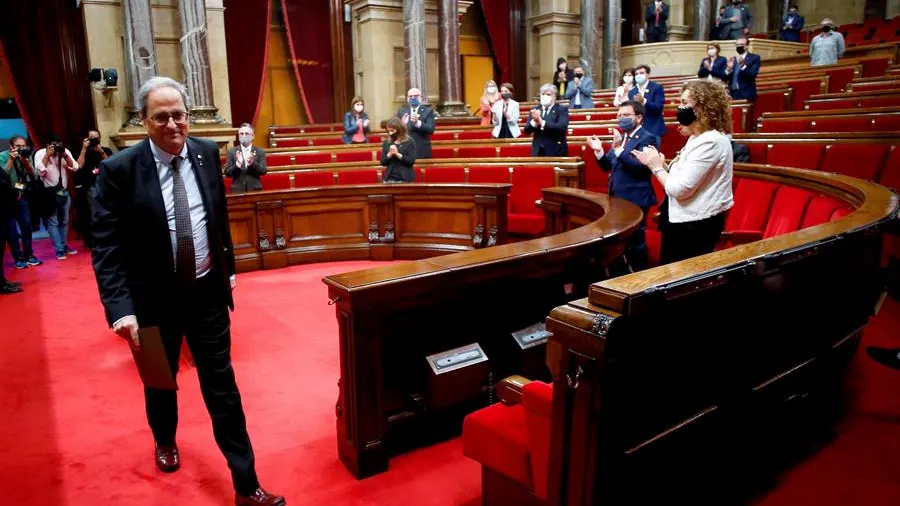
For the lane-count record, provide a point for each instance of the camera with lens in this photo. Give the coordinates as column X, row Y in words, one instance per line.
column 94, row 141
column 24, row 152
column 58, row 148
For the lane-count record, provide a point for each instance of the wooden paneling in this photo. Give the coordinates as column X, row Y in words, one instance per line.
column 281, row 102
column 477, row 70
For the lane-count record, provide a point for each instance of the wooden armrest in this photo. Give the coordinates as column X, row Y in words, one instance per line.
column 509, row 390
column 736, row 237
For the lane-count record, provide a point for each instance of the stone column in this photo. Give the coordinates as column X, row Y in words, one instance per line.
column 414, row 40
column 612, row 41
column 140, row 53
column 448, row 60
column 590, row 37
column 678, row 29
column 195, row 60
column 702, row 19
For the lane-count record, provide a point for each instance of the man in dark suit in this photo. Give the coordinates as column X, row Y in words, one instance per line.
column 246, row 163
column 629, row 179
column 741, row 72
column 738, row 20
column 163, row 258
column 7, row 201
column 653, row 97
column 792, row 25
column 419, row 121
column 548, row 124
column 657, row 17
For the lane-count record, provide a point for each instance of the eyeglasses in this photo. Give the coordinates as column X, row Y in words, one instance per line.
column 162, row 119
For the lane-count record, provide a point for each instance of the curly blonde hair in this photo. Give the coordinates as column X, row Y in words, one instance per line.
column 711, row 104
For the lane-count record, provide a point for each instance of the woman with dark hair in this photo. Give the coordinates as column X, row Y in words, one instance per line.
column 506, row 114
column 562, row 77
column 698, row 180
column 625, row 84
column 356, row 123
column 714, row 65
column 398, row 153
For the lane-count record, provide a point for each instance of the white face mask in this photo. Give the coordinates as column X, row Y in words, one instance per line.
column 711, row 52
column 628, row 79
column 358, row 108
column 640, row 78
column 546, row 100
column 492, row 89
column 245, row 139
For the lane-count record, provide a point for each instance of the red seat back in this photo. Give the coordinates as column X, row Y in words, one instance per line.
column 489, row 175
column 444, row 175
column 475, row 134
column 443, row 136
column 858, row 160
column 328, row 141
column 515, row 151
column 752, row 201
column 802, row 156
column 364, row 176
column 290, row 143
column 890, row 176
column 311, row 158
column 783, row 125
column 276, row 181
column 477, row 152
column 819, row 211
column 787, row 211
column 865, row 124
column 278, row 160
column 840, row 213
column 313, row 178
column 227, row 182
column 527, row 185
column 355, row 156
column 441, row 153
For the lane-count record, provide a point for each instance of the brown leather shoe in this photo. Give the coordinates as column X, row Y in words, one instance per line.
column 259, row 496
column 167, row 458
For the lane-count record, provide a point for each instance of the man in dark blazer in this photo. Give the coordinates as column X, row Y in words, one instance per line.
column 741, row 72
column 629, row 179
column 653, row 97
column 548, row 124
column 246, row 163
column 163, row 258
column 792, row 25
column 657, row 17
column 738, row 20
column 419, row 121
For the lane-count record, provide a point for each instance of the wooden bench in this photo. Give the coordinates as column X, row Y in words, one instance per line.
column 839, row 120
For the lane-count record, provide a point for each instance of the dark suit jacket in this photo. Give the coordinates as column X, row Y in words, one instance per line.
column 551, row 140
column 629, row 179
column 653, row 109
column 570, row 76
column 245, row 179
column 350, row 126
column 422, row 134
column 746, row 78
column 399, row 169
column 719, row 67
column 132, row 255
column 792, row 34
column 650, row 16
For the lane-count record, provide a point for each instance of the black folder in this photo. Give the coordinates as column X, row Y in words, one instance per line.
column 151, row 360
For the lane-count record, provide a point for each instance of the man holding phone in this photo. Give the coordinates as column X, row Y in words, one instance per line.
column 19, row 176
column 92, row 153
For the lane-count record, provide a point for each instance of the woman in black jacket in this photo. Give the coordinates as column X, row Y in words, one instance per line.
column 398, row 154
column 563, row 77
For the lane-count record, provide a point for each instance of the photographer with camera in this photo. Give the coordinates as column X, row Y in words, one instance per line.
column 52, row 163
column 7, row 200
column 89, row 161
column 21, row 180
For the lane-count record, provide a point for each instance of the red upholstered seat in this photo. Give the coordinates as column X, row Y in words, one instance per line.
column 516, row 151
column 311, row 158
column 853, row 103
column 443, row 136
column 890, row 176
column 276, row 181
column 768, row 101
column 356, row 156
column 291, row 143
column 758, row 151
column 595, row 179
column 752, row 201
column 524, row 216
column 278, row 160
column 839, row 125
column 328, row 141
column 858, row 160
column 802, row 90
column 803, row 156
column 538, row 400
column 227, row 182
column 440, row 153
column 819, row 211
column 444, row 175
column 484, row 134
column 313, row 178
column 840, row 213
column 838, row 79
column 364, row 176
column 477, row 152
column 781, row 125
column 887, row 122
column 787, row 211
column 489, row 175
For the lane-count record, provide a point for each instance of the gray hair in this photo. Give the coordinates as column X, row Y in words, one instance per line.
column 247, row 125
column 549, row 87
column 155, row 83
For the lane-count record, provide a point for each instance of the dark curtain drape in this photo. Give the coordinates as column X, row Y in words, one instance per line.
column 45, row 46
column 497, row 17
column 309, row 37
column 247, row 42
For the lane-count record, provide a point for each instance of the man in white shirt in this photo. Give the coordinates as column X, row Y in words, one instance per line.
column 827, row 47
column 246, row 163
column 52, row 165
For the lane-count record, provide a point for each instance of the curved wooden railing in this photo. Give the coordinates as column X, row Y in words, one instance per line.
column 666, row 370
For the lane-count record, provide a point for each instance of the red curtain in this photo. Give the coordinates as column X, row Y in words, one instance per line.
column 247, row 42
column 497, row 17
column 48, row 63
column 309, row 37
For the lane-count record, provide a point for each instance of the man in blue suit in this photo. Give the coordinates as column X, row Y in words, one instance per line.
column 580, row 93
column 652, row 97
column 629, row 179
column 792, row 25
column 741, row 72
column 548, row 123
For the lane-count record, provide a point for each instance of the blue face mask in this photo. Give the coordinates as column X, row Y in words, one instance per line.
column 626, row 124
column 414, row 102
column 640, row 78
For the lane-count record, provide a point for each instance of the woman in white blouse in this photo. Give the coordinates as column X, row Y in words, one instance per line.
column 698, row 180
column 505, row 114
column 625, row 86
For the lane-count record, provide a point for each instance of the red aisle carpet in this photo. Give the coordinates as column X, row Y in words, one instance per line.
column 73, row 430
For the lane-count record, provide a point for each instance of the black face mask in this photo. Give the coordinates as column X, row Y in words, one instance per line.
column 686, row 116
column 826, row 28
column 579, row 76
column 740, row 49
column 506, row 96
column 394, row 136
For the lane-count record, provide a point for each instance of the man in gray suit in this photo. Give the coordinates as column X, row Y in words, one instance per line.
column 579, row 94
column 737, row 21
column 245, row 163
column 419, row 121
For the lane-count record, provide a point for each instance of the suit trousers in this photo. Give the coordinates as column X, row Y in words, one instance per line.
column 691, row 238
column 83, row 214
column 200, row 315
column 654, row 35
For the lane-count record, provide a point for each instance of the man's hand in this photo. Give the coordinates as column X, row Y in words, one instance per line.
column 730, row 64
column 127, row 329
column 594, row 143
column 239, row 157
column 536, row 117
column 233, row 281
column 617, row 137
column 706, row 64
column 577, row 81
column 650, row 157
column 250, row 158
column 405, row 119
column 85, row 144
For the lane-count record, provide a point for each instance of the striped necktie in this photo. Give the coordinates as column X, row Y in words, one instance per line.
column 185, row 264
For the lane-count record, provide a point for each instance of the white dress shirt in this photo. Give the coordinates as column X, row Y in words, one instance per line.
column 699, row 182
column 202, row 258
column 246, row 152
column 51, row 179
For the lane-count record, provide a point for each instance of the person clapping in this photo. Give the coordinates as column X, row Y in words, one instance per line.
column 398, row 153
column 506, row 114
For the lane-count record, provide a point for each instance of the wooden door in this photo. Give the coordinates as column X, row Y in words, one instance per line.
column 476, row 70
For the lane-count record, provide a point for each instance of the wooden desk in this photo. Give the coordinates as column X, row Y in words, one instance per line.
column 390, row 318
column 273, row 229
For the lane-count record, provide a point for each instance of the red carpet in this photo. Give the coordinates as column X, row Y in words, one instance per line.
column 73, row 430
